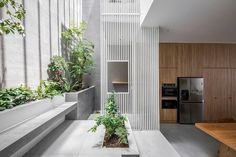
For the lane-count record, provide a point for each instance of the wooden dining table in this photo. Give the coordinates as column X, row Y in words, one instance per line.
column 225, row 133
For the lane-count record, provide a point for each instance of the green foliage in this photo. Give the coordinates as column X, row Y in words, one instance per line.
column 16, row 13
column 48, row 89
column 113, row 121
column 56, row 70
column 81, row 62
column 12, row 97
column 78, row 54
column 15, row 96
column 74, row 32
column 122, row 133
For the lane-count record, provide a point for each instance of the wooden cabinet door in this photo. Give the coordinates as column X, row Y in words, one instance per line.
column 184, row 63
column 197, row 60
column 232, row 55
column 168, row 56
column 216, row 56
column 167, row 76
column 217, row 85
column 233, row 91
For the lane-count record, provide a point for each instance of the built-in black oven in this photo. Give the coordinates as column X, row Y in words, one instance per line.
column 169, row 104
column 169, row 90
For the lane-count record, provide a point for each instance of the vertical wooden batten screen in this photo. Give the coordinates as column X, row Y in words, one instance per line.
column 123, row 39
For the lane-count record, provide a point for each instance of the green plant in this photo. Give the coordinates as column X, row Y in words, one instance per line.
column 56, row 70
column 113, row 122
column 48, row 89
column 79, row 56
column 81, row 62
column 71, row 37
column 15, row 96
column 15, row 13
column 74, row 32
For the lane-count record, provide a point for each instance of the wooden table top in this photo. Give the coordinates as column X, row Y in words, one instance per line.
column 223, row 132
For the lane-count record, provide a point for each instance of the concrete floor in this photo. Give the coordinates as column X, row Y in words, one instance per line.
column 154, row 144
column 71, row 139
column 188, row 141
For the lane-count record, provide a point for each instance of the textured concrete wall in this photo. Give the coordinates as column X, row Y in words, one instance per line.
column 24, row 60
column 91, row 14
column 85, row 102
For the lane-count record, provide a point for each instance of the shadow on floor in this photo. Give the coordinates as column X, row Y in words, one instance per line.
column 50, row 139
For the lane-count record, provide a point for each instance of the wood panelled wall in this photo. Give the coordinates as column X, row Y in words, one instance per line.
column 216, row 63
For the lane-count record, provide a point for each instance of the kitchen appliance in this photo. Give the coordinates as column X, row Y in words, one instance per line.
column 190, row 100
column 169, row 90
column 169, row 104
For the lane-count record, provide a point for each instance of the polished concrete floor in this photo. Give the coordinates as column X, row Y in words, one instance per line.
column 188, row 141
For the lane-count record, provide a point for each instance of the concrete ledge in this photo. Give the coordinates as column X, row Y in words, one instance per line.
column 20, row 139
column 19, row 114
column 85, row 102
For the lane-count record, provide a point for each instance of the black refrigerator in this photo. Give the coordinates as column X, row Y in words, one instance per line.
column 190, row 100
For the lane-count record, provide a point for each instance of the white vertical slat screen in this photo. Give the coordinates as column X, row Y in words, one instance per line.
column 123, row 39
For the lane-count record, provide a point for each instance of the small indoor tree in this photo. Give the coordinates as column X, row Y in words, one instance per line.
column 15, row 14
column 114, row 123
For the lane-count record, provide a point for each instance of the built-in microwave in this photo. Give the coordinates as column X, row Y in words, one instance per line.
column 169, row 90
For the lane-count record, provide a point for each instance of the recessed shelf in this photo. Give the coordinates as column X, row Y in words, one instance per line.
column 116, row 82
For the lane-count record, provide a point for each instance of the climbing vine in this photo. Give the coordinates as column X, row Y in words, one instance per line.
column 15, row 13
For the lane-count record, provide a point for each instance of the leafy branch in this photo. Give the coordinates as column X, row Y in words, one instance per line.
column 16, row 13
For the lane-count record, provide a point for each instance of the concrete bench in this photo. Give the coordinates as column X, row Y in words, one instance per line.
column 18, row 140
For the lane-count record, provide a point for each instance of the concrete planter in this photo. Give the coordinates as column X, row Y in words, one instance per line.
column 132, row 151
column 95, row 145
column 12, row 117
column 85, row 102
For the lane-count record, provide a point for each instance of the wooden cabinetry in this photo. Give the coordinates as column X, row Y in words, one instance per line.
column 168, row 56
column 167, row 76
column 233, row 56
column 233, row 91
column 215, row 62
column 217, row 94
column 216, row 56
column 196, row 60
column 184, row 60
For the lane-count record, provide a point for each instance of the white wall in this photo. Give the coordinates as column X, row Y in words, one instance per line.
column 91, row 14
column 25, row 59
column 144, row 8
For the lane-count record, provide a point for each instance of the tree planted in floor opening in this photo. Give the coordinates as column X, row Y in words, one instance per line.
column 116, row 133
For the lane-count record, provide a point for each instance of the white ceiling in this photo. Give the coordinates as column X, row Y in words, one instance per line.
column 200, row 21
